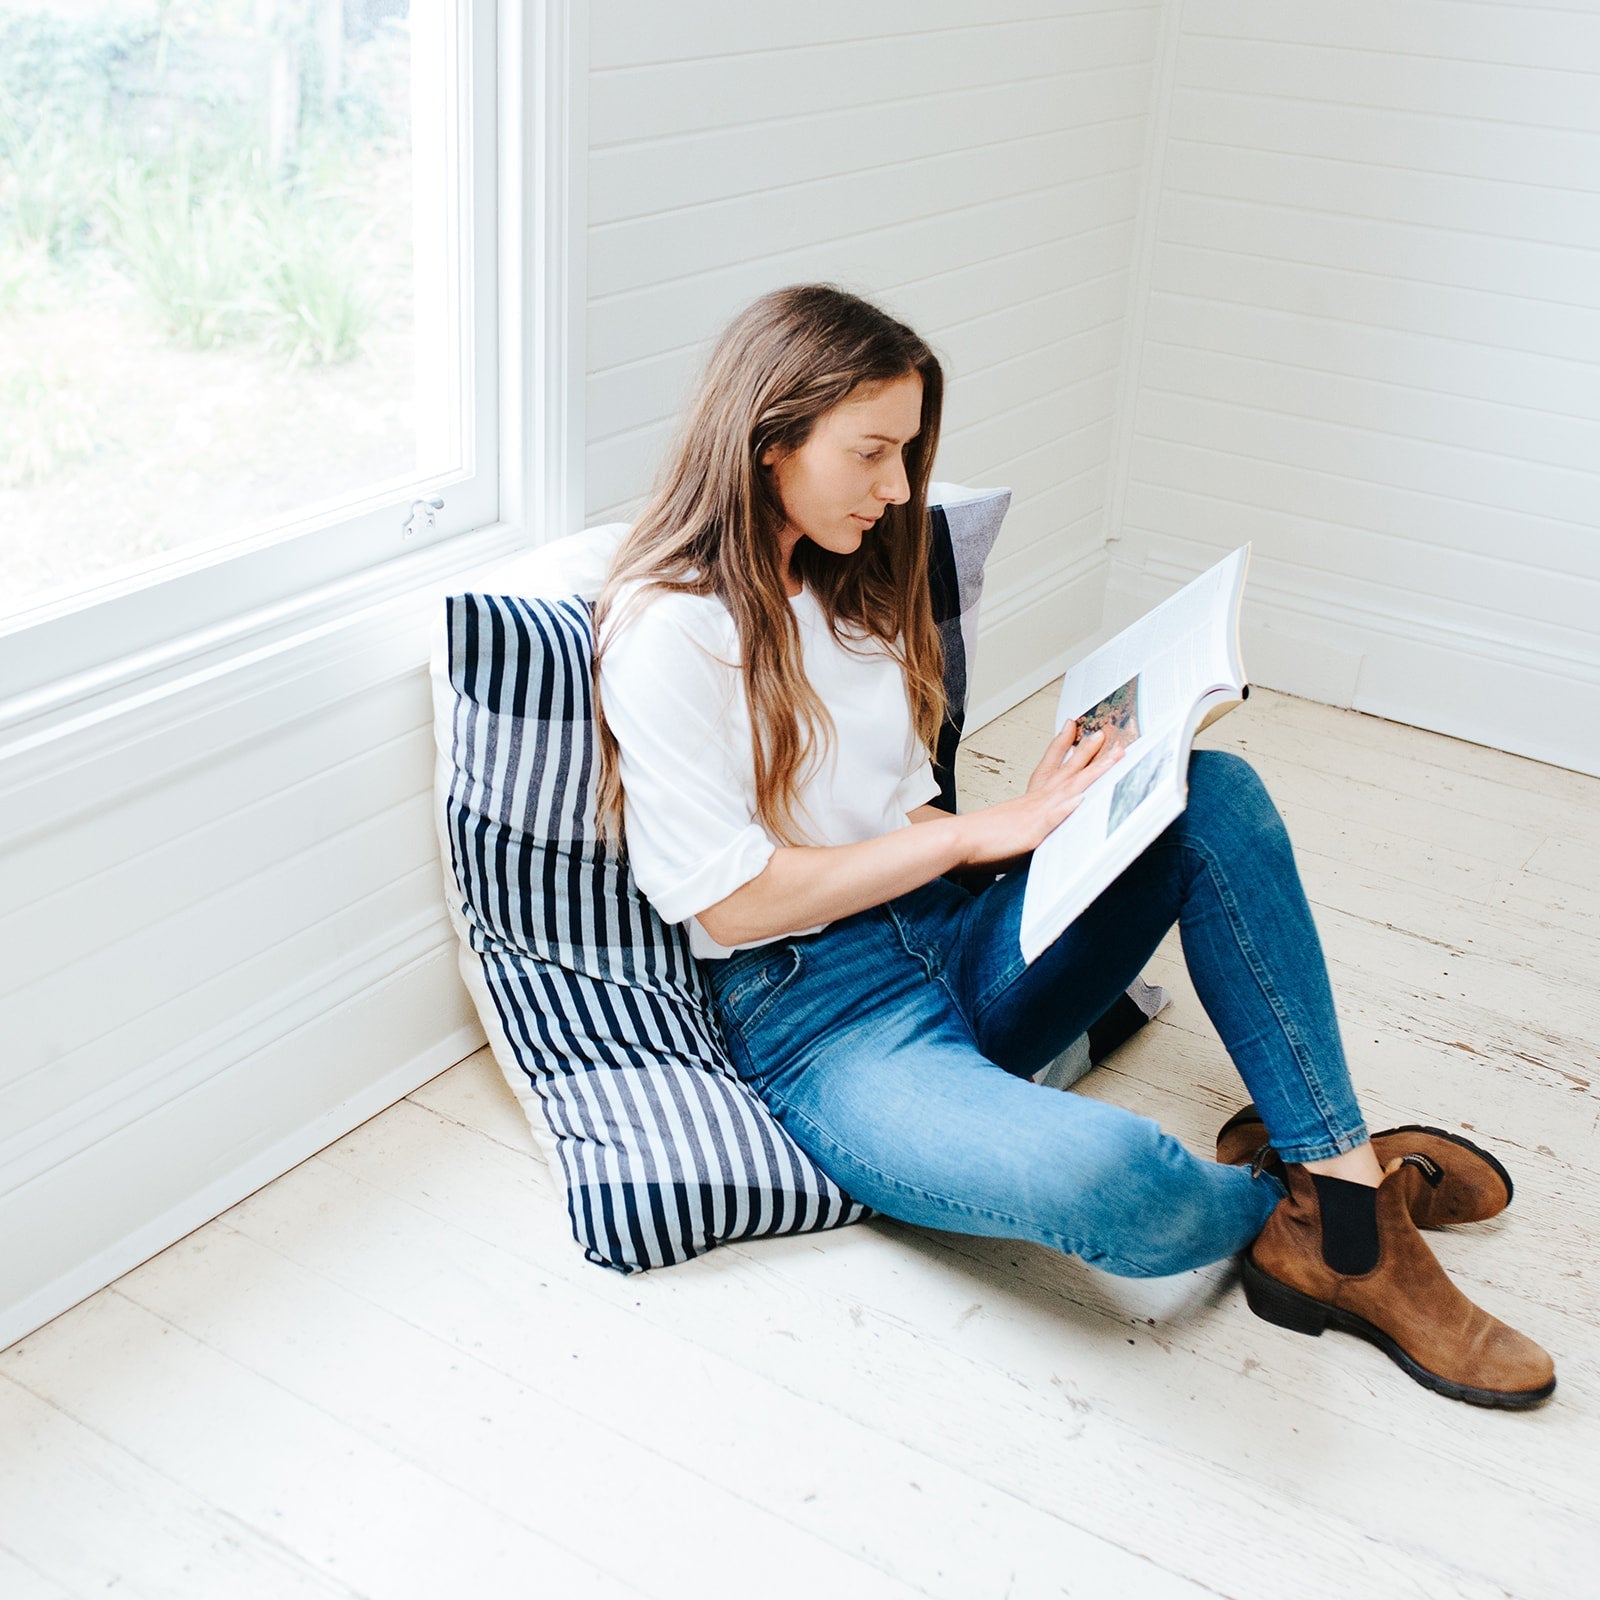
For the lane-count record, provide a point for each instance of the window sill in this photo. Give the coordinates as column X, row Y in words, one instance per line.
column 140, row 693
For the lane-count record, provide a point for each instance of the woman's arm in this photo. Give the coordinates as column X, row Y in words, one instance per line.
column 973, row 878
column 802, row 886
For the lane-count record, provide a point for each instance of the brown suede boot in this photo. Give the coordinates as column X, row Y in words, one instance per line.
column 1463, row 1183
column 1405, row 1305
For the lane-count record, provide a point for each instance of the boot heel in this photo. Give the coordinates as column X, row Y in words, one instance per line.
column 1277, row 1303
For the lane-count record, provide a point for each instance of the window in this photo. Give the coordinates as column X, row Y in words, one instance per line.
column 250, row 318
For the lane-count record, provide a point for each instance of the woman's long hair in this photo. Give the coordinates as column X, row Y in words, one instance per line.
column 712, row 528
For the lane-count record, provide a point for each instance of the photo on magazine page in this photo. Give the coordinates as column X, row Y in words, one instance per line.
column 1118, row 712
column 1133, row 788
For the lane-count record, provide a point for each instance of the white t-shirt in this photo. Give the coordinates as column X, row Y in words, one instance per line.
column 674, row 698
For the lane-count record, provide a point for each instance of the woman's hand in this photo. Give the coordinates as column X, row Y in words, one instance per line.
column 1014, row 827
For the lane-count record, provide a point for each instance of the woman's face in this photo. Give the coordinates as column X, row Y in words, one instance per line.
column 837, row 484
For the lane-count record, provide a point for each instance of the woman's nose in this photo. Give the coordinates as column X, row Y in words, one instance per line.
column 895, row 488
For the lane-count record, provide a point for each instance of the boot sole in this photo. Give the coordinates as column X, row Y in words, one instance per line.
column 1284, row 1307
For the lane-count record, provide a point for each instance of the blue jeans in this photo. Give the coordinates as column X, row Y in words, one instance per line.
column 897, row 1045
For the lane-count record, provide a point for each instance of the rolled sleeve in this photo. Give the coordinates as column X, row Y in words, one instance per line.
column 744, row 858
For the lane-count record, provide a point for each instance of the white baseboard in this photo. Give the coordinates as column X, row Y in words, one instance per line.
column 82, row 1224
column 1498, row 700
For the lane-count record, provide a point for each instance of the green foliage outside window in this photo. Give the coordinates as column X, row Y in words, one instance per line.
column 130, row 140
column 206, row 309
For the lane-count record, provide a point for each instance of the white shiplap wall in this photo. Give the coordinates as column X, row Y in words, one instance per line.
column 974, row 168
column 224, row 945
column 220, row 913
column 1367, row 336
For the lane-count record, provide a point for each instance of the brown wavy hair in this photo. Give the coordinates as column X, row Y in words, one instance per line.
column 712, row 528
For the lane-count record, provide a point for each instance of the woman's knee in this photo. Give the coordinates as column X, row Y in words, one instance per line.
column 1204, row 1214
column 1136, row 1203
column 1229, row 801
column 1223, row 775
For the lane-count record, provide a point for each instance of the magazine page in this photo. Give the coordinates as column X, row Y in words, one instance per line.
column 1151, row 674
column 1119, row 817
column 1153, row 684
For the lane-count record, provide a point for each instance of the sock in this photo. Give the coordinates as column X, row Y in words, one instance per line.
column 1349, row 1224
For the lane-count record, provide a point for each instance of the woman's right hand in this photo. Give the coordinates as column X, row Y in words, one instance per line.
column 1014, row 827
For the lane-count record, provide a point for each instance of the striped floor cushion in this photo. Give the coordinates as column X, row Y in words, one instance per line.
column 597, row 1013
column 580, row 984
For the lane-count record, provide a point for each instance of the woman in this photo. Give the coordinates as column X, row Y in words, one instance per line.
column 769, row 687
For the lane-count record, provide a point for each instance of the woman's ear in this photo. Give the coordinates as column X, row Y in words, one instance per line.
column 772, row 455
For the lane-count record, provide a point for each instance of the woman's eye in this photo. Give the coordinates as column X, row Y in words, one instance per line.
column 870, row 455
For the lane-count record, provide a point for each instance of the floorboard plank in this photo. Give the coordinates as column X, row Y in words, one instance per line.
column 713, row 1378
column 21, row 1580
column 101, row 1519
column 490, row 1391
column 287, row 1470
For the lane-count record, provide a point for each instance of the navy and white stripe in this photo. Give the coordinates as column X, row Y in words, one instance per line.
column 664, row 1151
column 963, row 525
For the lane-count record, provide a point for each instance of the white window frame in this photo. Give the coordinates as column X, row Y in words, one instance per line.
column 144, row 635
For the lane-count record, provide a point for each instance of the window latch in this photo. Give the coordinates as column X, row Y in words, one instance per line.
column 421, row 517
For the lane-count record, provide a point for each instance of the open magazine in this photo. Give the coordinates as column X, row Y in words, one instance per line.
column 1159, row 682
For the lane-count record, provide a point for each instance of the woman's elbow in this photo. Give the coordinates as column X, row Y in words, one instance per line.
column 722, row 925
column 729, row 921
column 745, row 916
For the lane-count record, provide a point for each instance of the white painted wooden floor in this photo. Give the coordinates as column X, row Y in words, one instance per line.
column 390, row 1373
